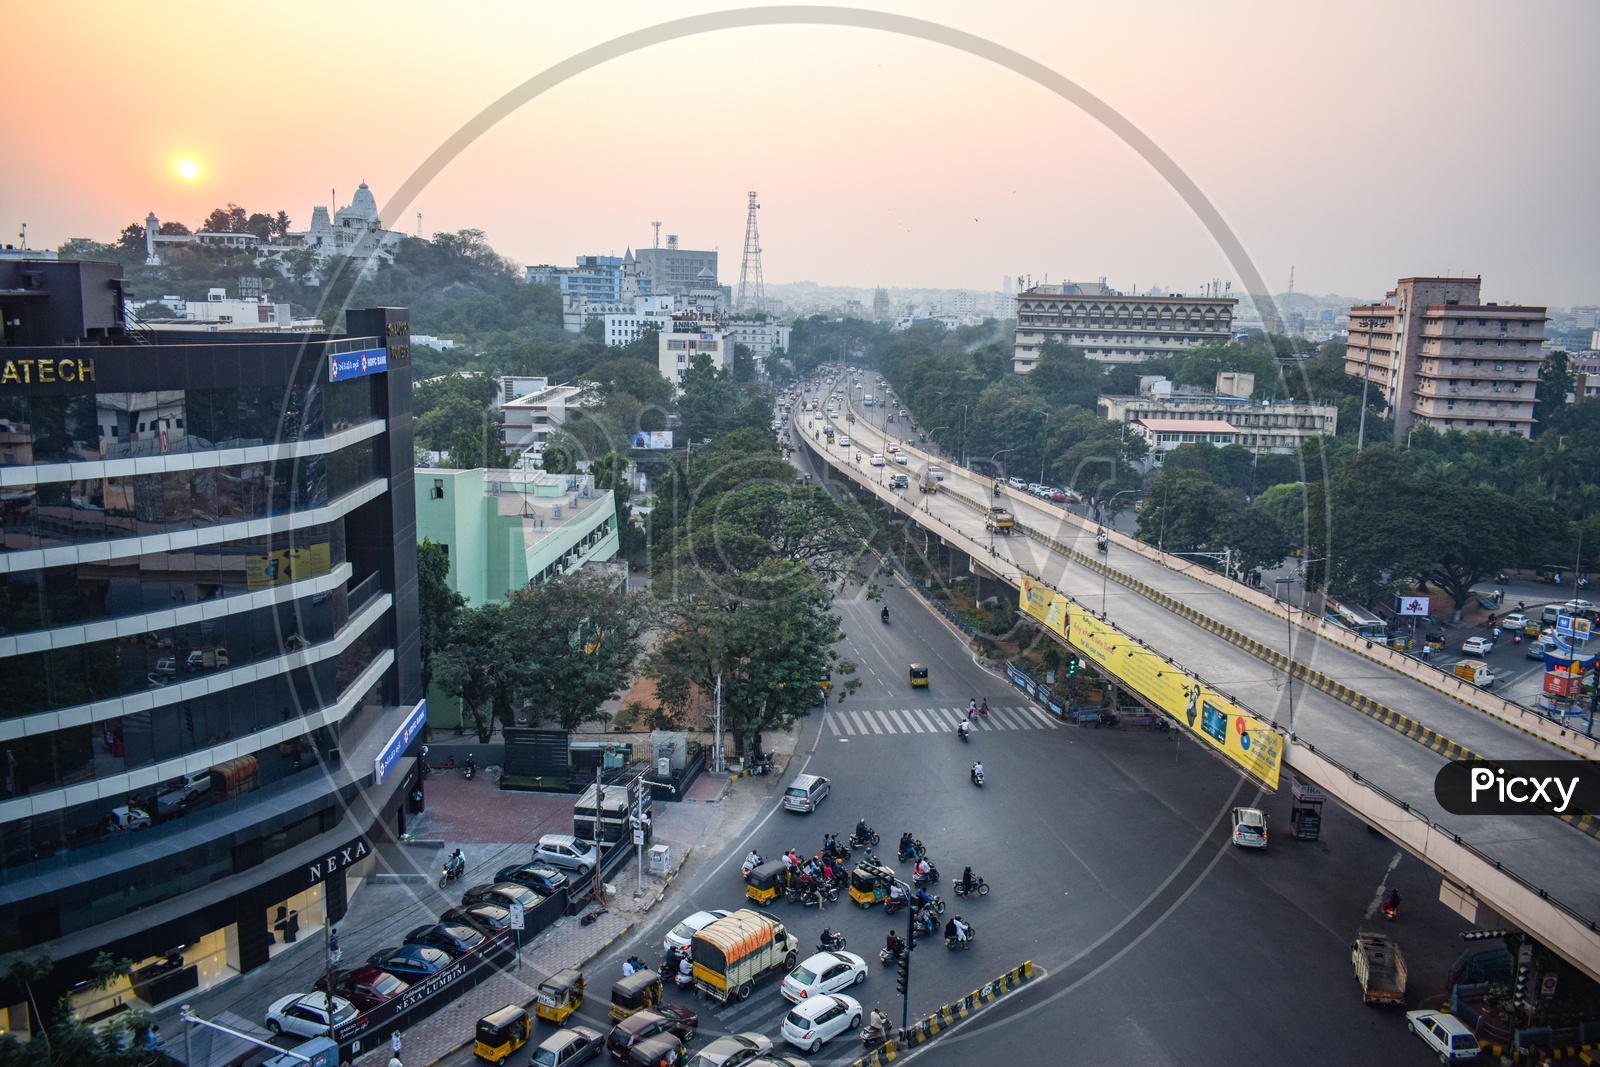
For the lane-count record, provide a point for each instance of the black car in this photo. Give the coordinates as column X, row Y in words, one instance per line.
column 681, row 1022
column 542, row 879
column 505, row 894
column 454, row 938
column 411, row 962
column 490, row 918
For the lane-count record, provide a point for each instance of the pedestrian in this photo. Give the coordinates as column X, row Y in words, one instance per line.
column 394, row 1045
column 394, row 1061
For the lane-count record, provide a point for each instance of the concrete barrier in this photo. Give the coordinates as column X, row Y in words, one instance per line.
column 948, row 1015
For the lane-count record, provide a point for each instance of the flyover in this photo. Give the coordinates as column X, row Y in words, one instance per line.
column 1369, row 727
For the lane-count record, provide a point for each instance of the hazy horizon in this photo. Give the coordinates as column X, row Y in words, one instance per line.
column 1457, row 140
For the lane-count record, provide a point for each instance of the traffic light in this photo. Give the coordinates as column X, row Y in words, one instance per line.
column 1072, row 665
column 902, row 983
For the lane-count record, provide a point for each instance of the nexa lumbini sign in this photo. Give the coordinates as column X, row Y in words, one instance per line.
column 343, row 365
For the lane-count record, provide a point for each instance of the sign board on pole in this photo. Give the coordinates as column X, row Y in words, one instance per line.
column 1411, row 605
column 517, row 918
column 1581, row 628
column 638, row 835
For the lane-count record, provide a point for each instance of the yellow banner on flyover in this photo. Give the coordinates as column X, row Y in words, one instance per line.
column 1251, row 744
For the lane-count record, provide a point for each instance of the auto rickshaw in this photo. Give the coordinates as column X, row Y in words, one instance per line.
column 502, row 1033
column 1433, row 642
column 867, row 885
column 919, row 676
column 560, row 995
column 766, row 883
column 640, row 990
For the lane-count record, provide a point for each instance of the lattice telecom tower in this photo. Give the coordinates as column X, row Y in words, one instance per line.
column 750, row 290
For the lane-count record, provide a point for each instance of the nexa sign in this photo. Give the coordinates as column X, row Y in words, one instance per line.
column 1518, row 787
column 337, row 860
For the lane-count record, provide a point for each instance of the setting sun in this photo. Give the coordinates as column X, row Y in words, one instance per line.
column 188, row 170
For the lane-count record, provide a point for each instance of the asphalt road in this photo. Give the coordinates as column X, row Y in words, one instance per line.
column 1108, row 851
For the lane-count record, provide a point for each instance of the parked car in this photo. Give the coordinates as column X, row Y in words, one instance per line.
column 566, row 851
column 663, row 1018
column 680, row 935
column 490, row 918
column 568, row 1047
column 815, row 1021
column 1249, row 828
column 1477, row 646
column 456, row 939
column 732, row 1050
column 536, row 876
column 1447, row 1036
column 306, row 1014
column 192, row 784
column 1061, row 496
column 411, row 962
column 825, row 972
column 505, row 894
column 365, row 987
column 1016, row 483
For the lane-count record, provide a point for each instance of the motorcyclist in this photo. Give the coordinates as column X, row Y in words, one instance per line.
column 920, row 868
column 458, row 863
column 826, row 941
column 893, row 944
column 977, row 770
column 967, row 881
column 685, row 968
column 922, row 899
column 752, row 861
column 885, row 613
column 907, row 843
column 1391, row 900
column 895, row 892
column 878, row 1021
column 964, row 727
column 963, row 928
column 863, row 831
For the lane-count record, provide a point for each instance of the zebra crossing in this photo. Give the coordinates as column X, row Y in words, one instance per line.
column 869, row 722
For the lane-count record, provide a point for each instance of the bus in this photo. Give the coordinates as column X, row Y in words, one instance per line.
column 1357, row 621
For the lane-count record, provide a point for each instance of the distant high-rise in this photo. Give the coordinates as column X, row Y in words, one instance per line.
column 880, row 305
column 673, row 269
column 1108, row 326
column 1441, row 359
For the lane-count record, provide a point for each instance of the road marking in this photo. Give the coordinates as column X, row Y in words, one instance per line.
column 871, row 721
column 932, row 725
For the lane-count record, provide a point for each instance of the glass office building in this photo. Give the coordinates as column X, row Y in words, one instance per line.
column 208, row 631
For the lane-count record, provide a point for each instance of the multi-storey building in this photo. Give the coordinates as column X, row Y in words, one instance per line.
column 1108, row 326
column 763, row 337
column 1440, row 358
column 1260, row 425
column 677, row 270
column 595, row 279
column 533, row 410
column 210, row 642
column 686, row 337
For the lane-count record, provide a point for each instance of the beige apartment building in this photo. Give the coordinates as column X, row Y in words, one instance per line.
column 1440, row 358
column 1262, row 426
column 1108, row 326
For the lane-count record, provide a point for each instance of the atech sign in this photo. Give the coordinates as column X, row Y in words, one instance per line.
column 342, row 365
column 46, row 371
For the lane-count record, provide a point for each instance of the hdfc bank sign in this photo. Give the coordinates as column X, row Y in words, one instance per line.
column 342, row 365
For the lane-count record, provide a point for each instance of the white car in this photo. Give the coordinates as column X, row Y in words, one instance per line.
column 1016, row 483
column 1249, row 828
column 844, row 441
column 564, row 850
column 1446, row 1035
column 306, row 1014
column 825, row 972
column 822, row 1017
column 1515, row 621
column 731, row 1050
column 1477, row 646
column 877, row 459
column 900, row 458
column 680, row 935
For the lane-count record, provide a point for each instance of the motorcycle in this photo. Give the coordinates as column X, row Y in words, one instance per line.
column 893, row 906
column 451, row 872
column 964, row 730
column 833, row 850
column 912, row 852
column 762, row 765
column 858, row 841
column 979, row 888
column 953, row 942
column 751, row 863
column 889, row 959
column 926, row 879
column 872, row 1036
column 1390, row 907
column 470, row 769
column 885, row 616
column 834, row 942
column 977, row 777
column 1101, row 544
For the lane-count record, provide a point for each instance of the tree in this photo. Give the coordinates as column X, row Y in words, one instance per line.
column 1471, row 533
column 475, row 665
column 1555, row 383
column 438, row 605
column 576, row 640
column 24, row 971
column 230, row 219
column 769, row 636
column 737, row 531
column 81, row 248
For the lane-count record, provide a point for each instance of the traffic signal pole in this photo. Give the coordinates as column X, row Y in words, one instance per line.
column 904, row 982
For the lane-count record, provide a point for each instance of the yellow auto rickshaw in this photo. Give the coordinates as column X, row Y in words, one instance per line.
column 502, row 1033
column 560, row 995
column 766, row 883
column 919, row 676
column 639, row 990
column 867, row 884
column 1433, row 641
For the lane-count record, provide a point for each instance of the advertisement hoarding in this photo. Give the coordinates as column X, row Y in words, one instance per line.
column 342, row 365
column 654, row 441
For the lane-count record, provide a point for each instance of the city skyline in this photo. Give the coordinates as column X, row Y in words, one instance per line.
column 880, row 159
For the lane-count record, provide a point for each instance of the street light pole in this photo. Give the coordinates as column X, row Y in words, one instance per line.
column 1105, row 566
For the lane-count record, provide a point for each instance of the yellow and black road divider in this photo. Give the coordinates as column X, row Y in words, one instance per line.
column 948, row 1015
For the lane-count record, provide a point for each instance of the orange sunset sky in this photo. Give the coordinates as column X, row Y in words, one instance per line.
column 1359, row 142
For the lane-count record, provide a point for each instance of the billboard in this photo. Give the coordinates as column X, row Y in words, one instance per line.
column 342, row 365
column 655, row 440
column 1411, row 605
column 1250, row 743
